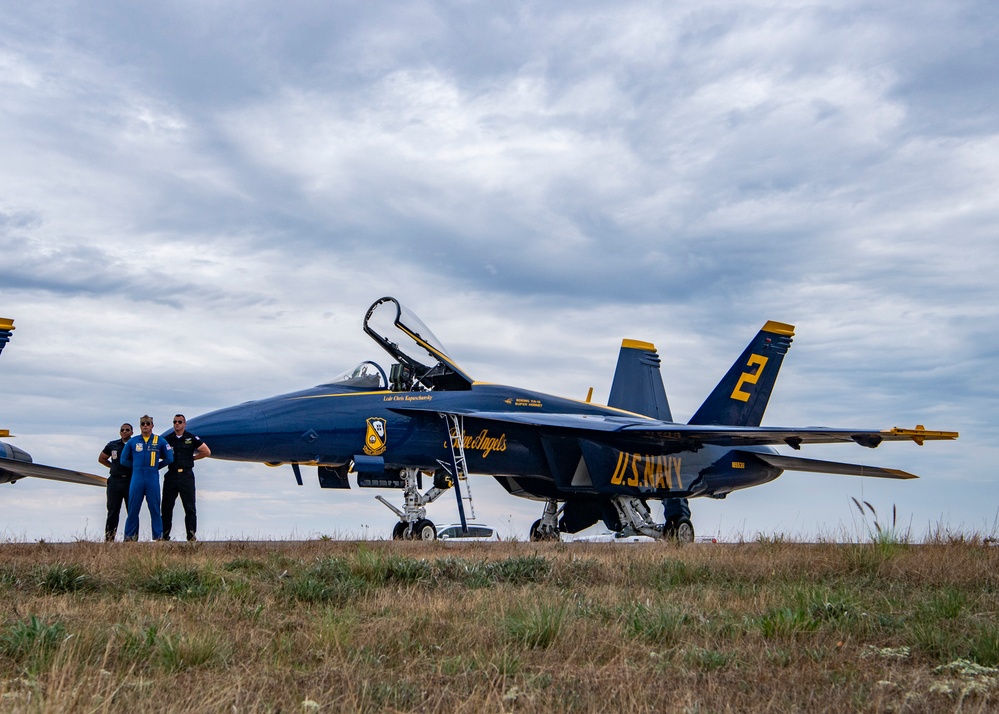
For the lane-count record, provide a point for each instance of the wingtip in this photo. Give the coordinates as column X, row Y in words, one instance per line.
column 921, row 434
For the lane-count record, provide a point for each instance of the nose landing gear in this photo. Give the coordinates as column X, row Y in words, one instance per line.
column 422, row 529
column 413, row 522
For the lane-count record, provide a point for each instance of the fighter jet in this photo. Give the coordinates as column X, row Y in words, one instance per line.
column 16, row 463
column 427, row 417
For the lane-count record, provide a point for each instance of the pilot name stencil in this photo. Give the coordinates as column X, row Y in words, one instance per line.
column 408, row 398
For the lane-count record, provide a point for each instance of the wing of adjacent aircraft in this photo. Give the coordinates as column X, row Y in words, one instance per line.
column 16, row 463
column 6, row 327
column 11, row 470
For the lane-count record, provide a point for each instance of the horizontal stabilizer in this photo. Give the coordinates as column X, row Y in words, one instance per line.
column 797, row 463
column 12, row 470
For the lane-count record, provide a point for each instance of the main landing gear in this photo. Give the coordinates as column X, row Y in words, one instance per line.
column 546, row 527
column 413, row 522
column 678, row 526
column 679, row 529
column 634, row 517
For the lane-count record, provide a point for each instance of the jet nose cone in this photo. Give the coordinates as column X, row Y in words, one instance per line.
column 232, row 433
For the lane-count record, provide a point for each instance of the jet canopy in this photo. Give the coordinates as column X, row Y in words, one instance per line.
column 367, row 375
column 404, row 336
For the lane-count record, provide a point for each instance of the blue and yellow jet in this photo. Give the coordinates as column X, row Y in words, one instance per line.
column 17, row 463
column 587, row 462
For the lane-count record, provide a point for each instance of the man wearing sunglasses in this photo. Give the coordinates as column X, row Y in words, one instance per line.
column 146, row 453
column 179, row 478
column 119, row 480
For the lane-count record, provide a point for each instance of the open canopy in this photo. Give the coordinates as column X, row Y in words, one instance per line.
column 422, row 363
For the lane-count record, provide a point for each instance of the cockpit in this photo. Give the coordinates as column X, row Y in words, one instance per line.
column 402, row 334
column 367, row 375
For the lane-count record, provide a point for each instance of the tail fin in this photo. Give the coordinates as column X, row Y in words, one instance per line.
column 741, row 396
column 638, row 384
column 6, row 327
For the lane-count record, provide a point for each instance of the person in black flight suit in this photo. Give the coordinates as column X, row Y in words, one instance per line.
column 119, row 480
column 179, row 479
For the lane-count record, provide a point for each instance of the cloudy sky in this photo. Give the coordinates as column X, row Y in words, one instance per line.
column 198, row 202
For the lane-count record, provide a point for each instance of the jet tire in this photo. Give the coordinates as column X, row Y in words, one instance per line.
column 399, row 531
column 539, row 535
column 424, row 529
column 679, row 529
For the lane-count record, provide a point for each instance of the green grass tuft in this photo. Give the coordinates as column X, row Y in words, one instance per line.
column 62, row 578
column 536, row 626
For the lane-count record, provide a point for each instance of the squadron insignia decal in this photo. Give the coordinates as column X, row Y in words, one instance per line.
column 374, row 438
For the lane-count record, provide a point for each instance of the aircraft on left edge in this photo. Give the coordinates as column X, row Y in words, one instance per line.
column 16, row 463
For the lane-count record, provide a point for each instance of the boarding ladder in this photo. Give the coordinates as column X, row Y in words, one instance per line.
column 458, row 467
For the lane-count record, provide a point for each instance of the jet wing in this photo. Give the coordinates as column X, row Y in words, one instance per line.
column 796, row 463
column 733, row 436
column 791, row 436
column 582, row 422
column 11, row 470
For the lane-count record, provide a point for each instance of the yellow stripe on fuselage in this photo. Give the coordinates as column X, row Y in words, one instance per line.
column 346, row 394
column 623, row 412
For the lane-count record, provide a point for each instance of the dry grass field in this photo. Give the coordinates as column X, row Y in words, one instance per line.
column 508, row 627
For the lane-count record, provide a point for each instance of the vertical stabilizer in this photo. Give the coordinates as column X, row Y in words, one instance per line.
column 6, row 327
column 638, row 384
column 741, row 396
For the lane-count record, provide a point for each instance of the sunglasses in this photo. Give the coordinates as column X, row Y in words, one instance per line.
column 125, row 429
column 178, row 421
column 145, row 423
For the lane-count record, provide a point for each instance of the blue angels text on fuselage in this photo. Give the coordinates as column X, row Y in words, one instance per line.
column 587, row 462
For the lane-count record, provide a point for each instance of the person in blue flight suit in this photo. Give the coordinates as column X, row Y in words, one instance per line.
column 119, row 480
column 179, row 478
column 146, row 454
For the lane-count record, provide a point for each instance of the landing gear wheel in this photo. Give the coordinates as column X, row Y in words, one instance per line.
column 424, row 529
column 535, row 536
column 684, row 531
column 538, row 534
column 399, row 531
column 679, row 529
